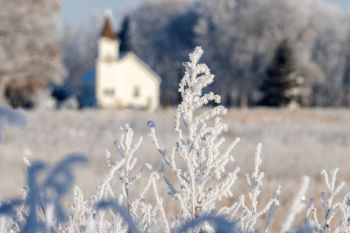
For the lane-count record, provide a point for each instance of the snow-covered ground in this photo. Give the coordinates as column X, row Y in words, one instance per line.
column 295, row 143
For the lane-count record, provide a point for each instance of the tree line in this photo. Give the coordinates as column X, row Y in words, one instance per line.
column 30, row 56
column 243, row 40
column 245, row 43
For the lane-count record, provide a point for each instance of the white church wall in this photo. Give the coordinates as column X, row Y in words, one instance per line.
column 108, row 49
column 107, row 84
column 138, row 86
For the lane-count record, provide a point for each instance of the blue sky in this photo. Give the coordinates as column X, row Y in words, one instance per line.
column 342, row 2
column 77, row 11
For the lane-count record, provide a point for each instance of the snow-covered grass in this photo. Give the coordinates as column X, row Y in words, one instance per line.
column 296, row 143
column 161, row 192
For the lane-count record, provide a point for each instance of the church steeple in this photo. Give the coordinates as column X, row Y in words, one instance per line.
column 107, row 31
column 109, row 43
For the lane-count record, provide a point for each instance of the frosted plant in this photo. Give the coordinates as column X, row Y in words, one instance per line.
column 249, row 216
column 2, row 224
column 119, row 210
column 333, row 217
column 197, row 160
column 327, row 199
column 41, row 210
column 220, row 224
column 330, row 207
column 144, row 213
column 344, row 209
column 125, row 169
column 78, row 213
column 85, row 217
column 297, row 206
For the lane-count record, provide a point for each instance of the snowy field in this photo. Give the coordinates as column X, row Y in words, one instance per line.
column 295, row 143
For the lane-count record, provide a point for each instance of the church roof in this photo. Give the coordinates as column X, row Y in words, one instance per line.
column 107, row 30
column 142, row 63
column 89, row 77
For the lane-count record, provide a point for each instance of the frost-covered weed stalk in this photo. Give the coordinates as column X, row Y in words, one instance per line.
column 91, row 216
column 196, row 171
column 198, row 160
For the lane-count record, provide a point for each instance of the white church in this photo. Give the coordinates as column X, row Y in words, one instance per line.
column 121, row 80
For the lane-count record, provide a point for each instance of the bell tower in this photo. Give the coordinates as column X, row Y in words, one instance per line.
column 108, row 47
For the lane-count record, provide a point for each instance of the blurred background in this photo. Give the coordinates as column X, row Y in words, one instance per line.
column 48, row 48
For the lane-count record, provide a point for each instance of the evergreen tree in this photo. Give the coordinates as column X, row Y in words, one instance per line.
column 346, row 82
column 124, row 36
column 283, row 85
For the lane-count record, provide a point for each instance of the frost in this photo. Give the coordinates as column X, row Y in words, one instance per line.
column 199, row 175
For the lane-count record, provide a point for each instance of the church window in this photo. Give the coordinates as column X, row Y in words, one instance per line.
column 108, row 92
column 136, row 92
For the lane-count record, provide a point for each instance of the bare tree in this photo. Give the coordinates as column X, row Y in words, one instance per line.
column 161, row 33
column 240, row 37
column 29, row 53
column 79, row 48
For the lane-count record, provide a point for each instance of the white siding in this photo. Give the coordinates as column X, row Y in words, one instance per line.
column 108, row 49
column 107, row 80
column 118, row 80
column 133, row 74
